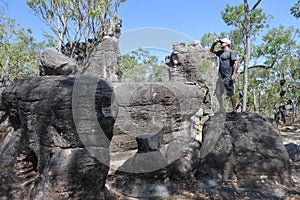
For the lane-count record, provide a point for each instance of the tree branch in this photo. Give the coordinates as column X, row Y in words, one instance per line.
column 255, row 5
column 260, row 66
column 246, row 6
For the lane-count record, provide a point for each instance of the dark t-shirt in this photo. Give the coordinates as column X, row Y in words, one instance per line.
column 226, row 62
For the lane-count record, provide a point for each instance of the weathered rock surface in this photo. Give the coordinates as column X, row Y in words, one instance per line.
column 247, row 149
column 191, row 62
column 89, row 57
column 247, row 161
column 293, row 151
column 145, row 174
column 3, row 123
column 55, row 63
column 194, row 64
column 104, row 60
column 54, row 138
column 150, row 108
column 183, row 168
column 59, row 130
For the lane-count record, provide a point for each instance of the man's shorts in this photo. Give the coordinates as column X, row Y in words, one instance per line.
column 225, row 85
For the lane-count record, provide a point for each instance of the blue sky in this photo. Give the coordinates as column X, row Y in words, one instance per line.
column 192, row 18
column 195, row 17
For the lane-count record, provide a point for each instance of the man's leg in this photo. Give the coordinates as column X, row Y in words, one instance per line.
column 233, row 102
column 229, row 85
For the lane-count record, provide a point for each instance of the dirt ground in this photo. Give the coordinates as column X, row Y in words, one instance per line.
column 291, row 134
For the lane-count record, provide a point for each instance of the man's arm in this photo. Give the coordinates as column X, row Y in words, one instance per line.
column 212, row 48
column 235, row 69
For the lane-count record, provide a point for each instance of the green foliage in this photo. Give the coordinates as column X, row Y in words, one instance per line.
column 208, row 38
column 141, row 66
column 73, row 21
column 236, row 41
column 279, row 43
column 280, row 48
column 236, row 17
column 19, row 52
column 295, row 10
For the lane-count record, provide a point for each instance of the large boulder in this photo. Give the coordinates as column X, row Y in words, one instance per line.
column 57, row 144
column 54, row 63
column 153, row 108
column 149, row 108
column 244, row 147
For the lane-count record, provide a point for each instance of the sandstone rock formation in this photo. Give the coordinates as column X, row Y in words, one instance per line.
column 53, row 149
column 194, row 64
column 63, row 131
column 104, row 60
column 246, row 147
column 55, row 63
column 149, row 108
column 246, row 160
column 90, row 57
column 145, row 175
column 191, row 62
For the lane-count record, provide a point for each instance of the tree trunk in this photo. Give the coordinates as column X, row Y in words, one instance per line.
column 259, row 102
column 60, row 36
column 254, row 100
column 247, row 54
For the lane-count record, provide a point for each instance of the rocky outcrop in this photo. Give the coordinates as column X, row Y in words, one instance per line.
column 149, row 108
column 104, row 58
column 194, row 64
column 241, row 157
column 244, row 147
column 55, row 63
column 191, row 62
column 54, row 147
column 59, row 135
column 91, row 57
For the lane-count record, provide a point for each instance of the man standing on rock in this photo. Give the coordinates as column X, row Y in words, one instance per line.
column 228, row 66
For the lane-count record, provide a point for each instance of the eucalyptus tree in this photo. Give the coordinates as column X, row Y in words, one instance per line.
column 208, row 38
column 77, row 20
column 280, row 46
column 295, row 10
column 141, row 66
column 19, row 52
